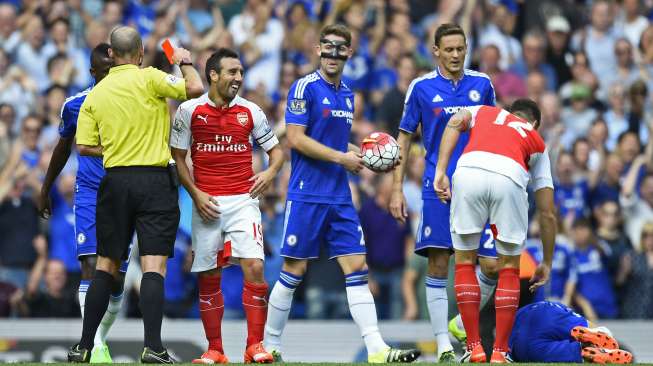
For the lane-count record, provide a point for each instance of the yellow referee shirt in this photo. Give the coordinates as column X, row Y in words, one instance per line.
column 127, row 114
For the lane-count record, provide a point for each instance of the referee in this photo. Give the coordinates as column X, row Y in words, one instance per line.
column 125, row 120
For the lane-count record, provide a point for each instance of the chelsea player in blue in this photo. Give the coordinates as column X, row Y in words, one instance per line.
column 547, row 331
column 319, row 208
column 89, row 175
column 430, row 101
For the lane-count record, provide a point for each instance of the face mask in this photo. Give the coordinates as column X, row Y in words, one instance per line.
column 337, row 51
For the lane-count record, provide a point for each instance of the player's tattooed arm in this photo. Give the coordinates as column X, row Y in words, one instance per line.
column 460, row 121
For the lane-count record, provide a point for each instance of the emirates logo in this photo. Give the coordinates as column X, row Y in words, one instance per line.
column 242, row 118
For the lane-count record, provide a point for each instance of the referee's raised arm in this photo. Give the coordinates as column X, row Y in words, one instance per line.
column 125, row 119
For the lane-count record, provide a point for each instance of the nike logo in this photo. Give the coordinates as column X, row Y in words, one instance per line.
column 203, row 118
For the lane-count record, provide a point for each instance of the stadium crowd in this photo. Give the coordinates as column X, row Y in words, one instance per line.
column 589, row 65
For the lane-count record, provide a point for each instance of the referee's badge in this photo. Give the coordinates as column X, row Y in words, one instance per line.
column 81, row 238
column 242, row 118
column 474, row 95
column 171, row 79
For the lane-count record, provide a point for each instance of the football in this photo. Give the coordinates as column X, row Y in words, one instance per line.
column 380, row 152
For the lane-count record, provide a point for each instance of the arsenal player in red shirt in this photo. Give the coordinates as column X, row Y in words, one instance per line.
column 503, row 154
column 218, row 128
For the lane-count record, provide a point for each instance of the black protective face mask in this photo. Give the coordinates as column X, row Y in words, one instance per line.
column 337, row 52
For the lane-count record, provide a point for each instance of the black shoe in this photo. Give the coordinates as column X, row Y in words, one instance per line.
column 149, row 356
column 79, row 355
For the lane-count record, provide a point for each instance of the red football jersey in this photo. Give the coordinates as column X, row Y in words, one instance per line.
column 220, row 140
column 508, row 145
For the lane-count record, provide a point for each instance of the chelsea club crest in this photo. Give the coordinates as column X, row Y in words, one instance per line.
column 348, row 103
column 474, row 95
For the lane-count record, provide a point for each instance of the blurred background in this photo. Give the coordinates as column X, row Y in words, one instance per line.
column 589, row 64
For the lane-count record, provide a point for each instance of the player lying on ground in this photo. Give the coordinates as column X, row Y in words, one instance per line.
column 551, row 332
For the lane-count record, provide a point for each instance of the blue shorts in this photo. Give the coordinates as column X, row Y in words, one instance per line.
column 84, row 208
column 542, row 333
column 309, row 225
column 435, row 232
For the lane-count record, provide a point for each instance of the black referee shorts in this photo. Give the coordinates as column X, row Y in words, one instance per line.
column 136, row 198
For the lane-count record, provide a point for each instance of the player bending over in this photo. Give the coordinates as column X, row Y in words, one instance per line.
column 226, row 223
column 504, row 152
column 551, row 332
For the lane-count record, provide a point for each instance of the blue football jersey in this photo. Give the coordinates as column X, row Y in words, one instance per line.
column 594, row 282
column 563, row 268
column 327, row 113
column 90, row 170
column 430, row 101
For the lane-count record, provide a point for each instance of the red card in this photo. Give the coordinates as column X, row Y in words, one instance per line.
column 168, row 50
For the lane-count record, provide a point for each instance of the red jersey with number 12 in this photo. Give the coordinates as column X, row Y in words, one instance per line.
column 506, row 144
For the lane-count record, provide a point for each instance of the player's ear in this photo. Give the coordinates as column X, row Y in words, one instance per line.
column 214, row 76
column 436, row 50
column 318, row 52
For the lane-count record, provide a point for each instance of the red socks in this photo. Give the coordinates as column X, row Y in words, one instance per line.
column 468, row 297
column 256, row 310
column 506, row 301
column 212, row 310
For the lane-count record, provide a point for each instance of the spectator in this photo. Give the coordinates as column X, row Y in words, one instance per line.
column 54, row 301
column 598, row 40
column 534, row 47
column 626, row 72
column 579, row 115
column 392, row 105
column 387, row 241
column 571, row 195
column 636, row 275
column 609, row 185
column 9, row 35
column 260, row 38
column 632, row 21
column 499, row 33
column 595, row 294
column 31, row 55
column 613, row 243
column 62, row 230
column 615, row 116
column 508, row 85
column 557, row 47
column 638, row 207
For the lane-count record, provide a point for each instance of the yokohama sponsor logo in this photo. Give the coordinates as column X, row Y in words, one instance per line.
column 455, row 109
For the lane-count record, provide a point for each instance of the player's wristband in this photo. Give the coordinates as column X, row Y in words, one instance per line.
column 185, row 64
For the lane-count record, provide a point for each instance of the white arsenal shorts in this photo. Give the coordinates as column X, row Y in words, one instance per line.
column 236, row 234
column 479, row 195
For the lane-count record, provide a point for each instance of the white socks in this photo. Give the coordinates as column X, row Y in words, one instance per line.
column 278, row 309
column 115, row 302
column 363, row 311
column 438, row 305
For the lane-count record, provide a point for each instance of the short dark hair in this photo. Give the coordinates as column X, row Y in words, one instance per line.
column 448, row 29
column 213, row 63
column 527, row 108
column 581, row 222
column 100, row 53
column 623, row 135
column 339, row 30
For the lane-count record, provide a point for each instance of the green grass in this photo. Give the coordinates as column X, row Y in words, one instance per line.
column 317, row 364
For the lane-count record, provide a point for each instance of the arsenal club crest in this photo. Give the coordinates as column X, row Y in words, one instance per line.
column 242, row 118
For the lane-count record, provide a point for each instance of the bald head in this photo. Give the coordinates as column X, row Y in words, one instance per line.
column 126, row 42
